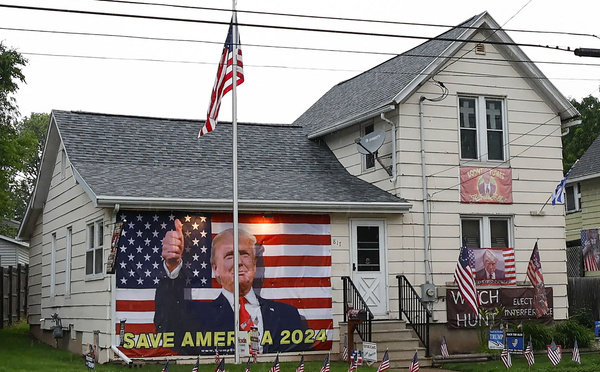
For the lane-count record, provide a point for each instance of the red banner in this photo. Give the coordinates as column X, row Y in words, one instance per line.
column 486, row 185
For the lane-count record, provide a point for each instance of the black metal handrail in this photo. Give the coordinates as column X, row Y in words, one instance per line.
column 353, row 299
column 416, row 311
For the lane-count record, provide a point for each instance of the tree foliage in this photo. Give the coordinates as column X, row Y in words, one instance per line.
column 580, row 137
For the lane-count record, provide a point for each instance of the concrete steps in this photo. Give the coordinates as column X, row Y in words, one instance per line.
column 394, row 336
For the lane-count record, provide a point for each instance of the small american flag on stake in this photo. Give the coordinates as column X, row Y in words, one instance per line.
column 414, row 364
column 385, row 363
column 247, row 366
column 345, row 350
column 325, row 367
column 529, row 353
column 275, row 367
column 224, row 79
column 576, row 357
column 444, row 348
column 166, row 367
column 354, row 363
column 300, row 367
column 554, row 353
column 197, row 365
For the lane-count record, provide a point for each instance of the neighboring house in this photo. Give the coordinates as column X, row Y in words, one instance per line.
column 405, row 209
column 13, row 252
column 582, row 197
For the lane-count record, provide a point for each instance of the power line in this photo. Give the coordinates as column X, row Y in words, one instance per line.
column 329, row 18
column 289, row 28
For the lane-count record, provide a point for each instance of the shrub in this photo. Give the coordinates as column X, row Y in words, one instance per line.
column 541, row 335
column 566, row 332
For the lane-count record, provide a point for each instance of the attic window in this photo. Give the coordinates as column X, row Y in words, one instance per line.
column 480, row 49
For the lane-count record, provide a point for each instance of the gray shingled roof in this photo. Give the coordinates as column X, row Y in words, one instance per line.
column 588, row 165
column 378, row 86
column 152, row 158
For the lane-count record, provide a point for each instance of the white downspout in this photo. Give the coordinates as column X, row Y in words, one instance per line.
column 425, row 192
column 394, row 174
column 120, row 354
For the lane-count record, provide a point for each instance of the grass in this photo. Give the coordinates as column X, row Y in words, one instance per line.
column 19, row 353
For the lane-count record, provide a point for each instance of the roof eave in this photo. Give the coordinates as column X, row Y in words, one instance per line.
column 382, row 109
column 400, row 207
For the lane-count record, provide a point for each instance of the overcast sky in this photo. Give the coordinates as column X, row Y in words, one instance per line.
column 173, row 78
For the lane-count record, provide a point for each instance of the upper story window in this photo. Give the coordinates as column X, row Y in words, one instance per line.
column 369, row 159
column 94, row 253
column 573, row 197
column 486, row 232
column 482, row 128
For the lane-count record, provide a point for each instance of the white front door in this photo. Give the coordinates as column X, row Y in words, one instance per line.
column 369, row 265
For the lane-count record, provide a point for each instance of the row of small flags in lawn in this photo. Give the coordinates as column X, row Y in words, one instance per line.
column 554, row 353
column 384, row 366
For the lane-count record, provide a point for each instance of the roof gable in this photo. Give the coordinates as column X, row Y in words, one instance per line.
column 392, row 82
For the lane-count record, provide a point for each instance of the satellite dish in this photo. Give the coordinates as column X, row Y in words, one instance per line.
column 371, row 142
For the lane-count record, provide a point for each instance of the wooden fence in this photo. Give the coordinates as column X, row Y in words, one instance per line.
column 13, row 293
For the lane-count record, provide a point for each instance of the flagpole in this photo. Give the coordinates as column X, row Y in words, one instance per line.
column 236, row 254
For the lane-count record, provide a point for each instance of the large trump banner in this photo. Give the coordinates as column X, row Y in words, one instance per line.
column 188, row 311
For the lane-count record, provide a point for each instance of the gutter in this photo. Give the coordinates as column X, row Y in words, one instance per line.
column 252, row 205
column 121, row 355
column 425, row 193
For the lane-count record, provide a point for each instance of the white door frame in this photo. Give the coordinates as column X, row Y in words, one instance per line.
column 372, row 285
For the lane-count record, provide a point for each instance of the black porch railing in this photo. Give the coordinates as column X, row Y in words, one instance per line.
column 353, row 300
column 416, row 311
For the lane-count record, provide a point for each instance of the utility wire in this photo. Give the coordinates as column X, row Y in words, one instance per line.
column 289, row 28
column 336, row 18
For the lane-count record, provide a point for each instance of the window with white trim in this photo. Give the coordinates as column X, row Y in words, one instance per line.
column 486, row 232
column 483, row 129
column 53, row 265
column 68, row 262
column 94, row 252
column 573, row 197
column 368, row 159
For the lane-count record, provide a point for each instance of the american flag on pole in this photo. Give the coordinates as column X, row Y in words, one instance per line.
column 224, row 79
column 296, row 268
column 345, row 350
column 576, row 357
column 463, row 275
column 529, row 353
column 325, row 367
column 300, row 367
column 534, row 272
column 414, row 364
column 354, row 363
column 554, row 353
column 444, row 348
column 385, row 363
column 275, row 367
column 505, row 356
column 589, row 244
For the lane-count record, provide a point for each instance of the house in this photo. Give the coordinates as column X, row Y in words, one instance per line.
column 13, row 252
column 581, row 201
column 454, row 142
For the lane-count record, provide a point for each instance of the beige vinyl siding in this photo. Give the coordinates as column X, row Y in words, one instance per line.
column 534, row 155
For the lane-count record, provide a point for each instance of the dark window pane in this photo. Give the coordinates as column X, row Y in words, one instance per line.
column 470, row 233
column 89, row 262
column 368, row 248
column 493, row 113
column 495, row 151
column 468, row 144
column 570, row 198
column 499, row 233
column 91, row 236
column 98, row 262
column 99, row 239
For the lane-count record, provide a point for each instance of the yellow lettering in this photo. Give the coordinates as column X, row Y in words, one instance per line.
column 230, row 338
column 219, row 338
column 169, row 339
column 154, row 339
column 128, row 340
column 267, row 339
column 203, row 339
column 142, row 341
column 187, row 340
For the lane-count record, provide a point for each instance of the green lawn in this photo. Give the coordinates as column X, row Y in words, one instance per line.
column 19, row 353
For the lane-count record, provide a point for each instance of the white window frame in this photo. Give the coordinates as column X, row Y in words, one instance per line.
column 576, row 187
column 68, row 259
column 485, row 229
column 367, row 165
column 94, row 245
column 53, row 265
column 482, row 130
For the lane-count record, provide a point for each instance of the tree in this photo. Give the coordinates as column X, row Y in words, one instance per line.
column 13, row 148
column 581, row 137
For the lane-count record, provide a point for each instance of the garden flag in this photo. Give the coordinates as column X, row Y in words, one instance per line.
column 385, row 363
column 444, row 348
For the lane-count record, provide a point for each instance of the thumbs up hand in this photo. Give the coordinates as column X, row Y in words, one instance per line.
column 172, row 246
